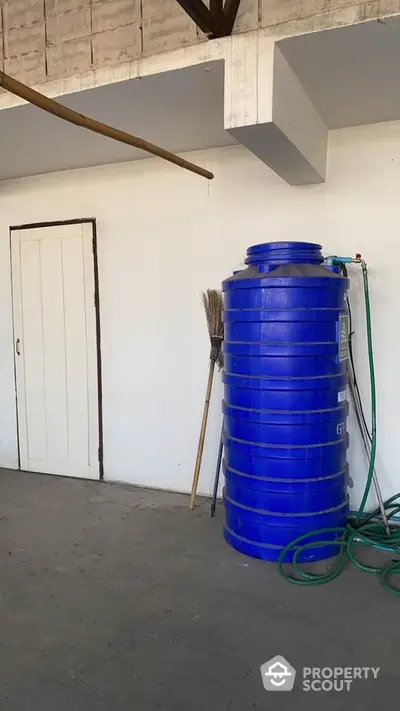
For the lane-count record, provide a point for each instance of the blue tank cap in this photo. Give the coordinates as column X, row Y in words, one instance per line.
column 285, row 253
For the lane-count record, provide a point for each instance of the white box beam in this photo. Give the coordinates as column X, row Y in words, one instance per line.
column 269, row 112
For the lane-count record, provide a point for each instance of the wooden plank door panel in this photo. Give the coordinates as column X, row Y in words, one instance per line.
column 56, row 368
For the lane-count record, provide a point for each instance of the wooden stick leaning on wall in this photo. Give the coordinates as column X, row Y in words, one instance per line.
column 63, row 112
column 213, row 306
column 202, row 437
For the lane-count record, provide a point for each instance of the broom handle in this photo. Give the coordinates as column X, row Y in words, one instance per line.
column 202, row 437
column 217, row 471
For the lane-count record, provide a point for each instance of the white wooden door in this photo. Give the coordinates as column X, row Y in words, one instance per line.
column 56, row 349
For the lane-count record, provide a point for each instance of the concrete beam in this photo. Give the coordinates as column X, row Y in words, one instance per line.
column 266, row 108
column 269, row 112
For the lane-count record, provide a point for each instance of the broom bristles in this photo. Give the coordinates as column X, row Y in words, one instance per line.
column 213, row 307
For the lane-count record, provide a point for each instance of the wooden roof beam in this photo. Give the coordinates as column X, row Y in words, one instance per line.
column 231, row 8
column 201, row 15
column 217, row 20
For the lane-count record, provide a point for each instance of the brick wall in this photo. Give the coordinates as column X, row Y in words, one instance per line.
column 42, row 40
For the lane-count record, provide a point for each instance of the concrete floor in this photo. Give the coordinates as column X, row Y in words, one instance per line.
column 119, row 598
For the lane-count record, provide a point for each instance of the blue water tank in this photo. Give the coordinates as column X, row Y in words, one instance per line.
column 285, row 408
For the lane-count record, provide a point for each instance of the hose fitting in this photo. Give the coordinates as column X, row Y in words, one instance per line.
column 333, row 259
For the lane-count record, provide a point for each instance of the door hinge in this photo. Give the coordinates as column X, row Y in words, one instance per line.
column 99, row 453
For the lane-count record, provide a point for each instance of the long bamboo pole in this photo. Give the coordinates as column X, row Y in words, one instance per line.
column 202, row 437
column 63, row 112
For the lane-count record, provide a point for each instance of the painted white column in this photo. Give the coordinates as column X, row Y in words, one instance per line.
column 269, row 112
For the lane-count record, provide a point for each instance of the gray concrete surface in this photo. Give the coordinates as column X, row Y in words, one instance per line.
column 120, row 599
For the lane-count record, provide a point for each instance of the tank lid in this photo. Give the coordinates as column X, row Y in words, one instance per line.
column 285, row 253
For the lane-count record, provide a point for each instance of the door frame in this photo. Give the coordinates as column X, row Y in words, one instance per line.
column 63, row 223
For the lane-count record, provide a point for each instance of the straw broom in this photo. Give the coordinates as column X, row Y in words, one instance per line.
column 213, row 306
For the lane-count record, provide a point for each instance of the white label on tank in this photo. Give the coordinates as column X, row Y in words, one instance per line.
column 343, row 337
column 341, row 396
column 340, row 429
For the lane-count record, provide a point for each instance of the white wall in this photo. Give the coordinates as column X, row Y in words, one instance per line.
column 163, row 236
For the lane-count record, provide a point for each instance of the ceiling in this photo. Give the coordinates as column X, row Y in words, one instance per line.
column 180, row 110
column 351, row 74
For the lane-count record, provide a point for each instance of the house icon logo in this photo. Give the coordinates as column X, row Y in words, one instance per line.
column 278, row 674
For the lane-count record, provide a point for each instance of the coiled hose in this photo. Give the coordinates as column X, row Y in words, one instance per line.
column 364, row 531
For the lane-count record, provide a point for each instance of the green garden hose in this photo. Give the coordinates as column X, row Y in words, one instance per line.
column 364, row 531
